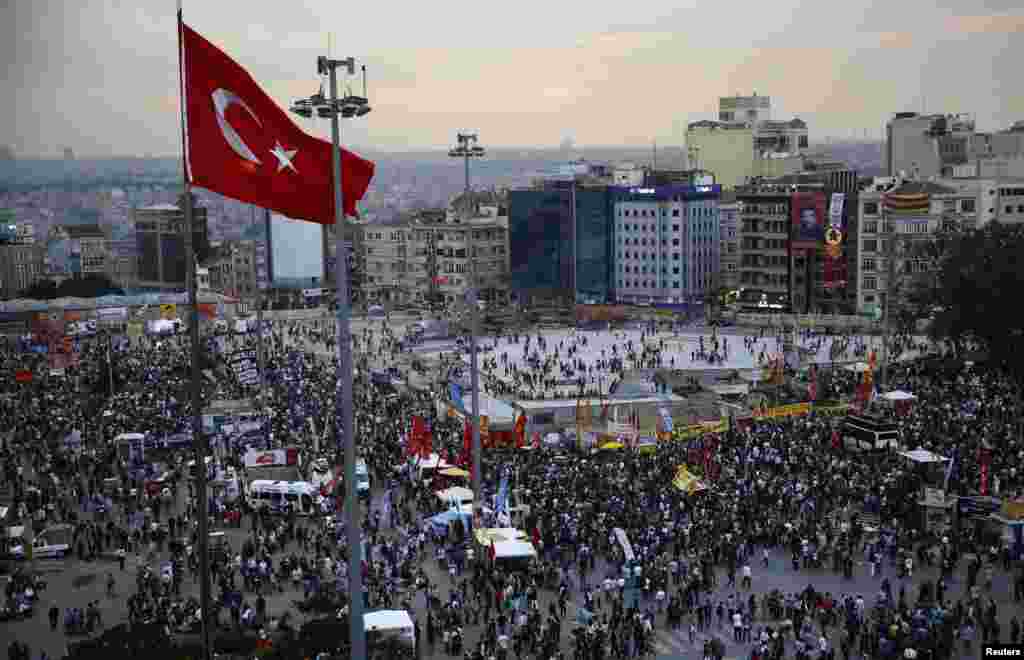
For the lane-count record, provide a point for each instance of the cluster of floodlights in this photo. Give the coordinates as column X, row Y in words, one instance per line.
column 468, row 148
column 346, row 107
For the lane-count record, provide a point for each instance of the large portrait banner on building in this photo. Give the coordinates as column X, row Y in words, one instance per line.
column 835, row 264
column 807, row 212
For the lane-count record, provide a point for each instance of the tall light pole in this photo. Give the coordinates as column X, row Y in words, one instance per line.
column 467, row 148
column 347, row 108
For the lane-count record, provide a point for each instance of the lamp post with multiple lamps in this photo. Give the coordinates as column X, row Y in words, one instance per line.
column 466, row 148
column 334, row 108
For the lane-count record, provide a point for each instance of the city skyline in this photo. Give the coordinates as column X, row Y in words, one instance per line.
column 549, row 74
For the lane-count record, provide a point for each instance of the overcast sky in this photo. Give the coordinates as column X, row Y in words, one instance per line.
column 101, row 75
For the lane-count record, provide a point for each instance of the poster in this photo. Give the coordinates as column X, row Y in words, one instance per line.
column 835, row 264
column 168, row 312
column 807, row 213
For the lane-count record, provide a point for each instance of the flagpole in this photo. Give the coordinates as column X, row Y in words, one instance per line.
column 198, row 442
column 343, row 422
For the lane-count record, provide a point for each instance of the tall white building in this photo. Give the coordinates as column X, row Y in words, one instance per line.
column 667, row 244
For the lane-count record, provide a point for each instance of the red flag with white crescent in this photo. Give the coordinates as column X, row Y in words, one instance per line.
column 241, row 144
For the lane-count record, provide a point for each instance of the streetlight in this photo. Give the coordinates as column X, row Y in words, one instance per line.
column 467, row 148
column 347, row 108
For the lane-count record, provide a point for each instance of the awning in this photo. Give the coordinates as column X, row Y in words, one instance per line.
column 898, row 395
column 920, row 455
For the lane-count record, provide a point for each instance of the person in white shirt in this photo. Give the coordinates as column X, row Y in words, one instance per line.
column 737, row 626
column 747, row 576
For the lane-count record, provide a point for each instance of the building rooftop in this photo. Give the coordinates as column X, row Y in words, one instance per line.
column 82, row 231
column 160, row 207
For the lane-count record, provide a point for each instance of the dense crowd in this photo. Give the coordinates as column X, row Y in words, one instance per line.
column 784, row 493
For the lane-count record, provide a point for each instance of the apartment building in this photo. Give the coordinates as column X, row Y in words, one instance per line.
column 435, row 256
column 764, row 220
column 729, row 235
column 232, row 268
column 902, row 220
column 20, row 266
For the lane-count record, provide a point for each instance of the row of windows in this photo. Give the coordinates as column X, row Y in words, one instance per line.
column 966, row 206
column 695, row 212
column 647, row 284
column 664, row 255
column 699, row 228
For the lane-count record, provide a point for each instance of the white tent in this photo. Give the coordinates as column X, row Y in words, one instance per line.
column 394, row 622
column 898, row 395
column 920, row 455
column 857, row 367
column 459, row 493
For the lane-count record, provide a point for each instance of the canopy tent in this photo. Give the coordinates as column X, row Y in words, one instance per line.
column 457, row 493
column 898, row 395
column 921, row 455
column 396, row 622
column 445, row 518
column 687, row 482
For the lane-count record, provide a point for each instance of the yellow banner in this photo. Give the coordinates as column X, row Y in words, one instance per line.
column 168, row 312
column 791, row 410
column 686, row 481
column 697, row 430
column 135, row 329
column 1013, row 510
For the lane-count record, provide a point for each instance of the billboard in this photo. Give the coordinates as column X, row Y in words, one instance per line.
column 907, row 203
column 807, row 213
column 296, row 252
column 835, row 263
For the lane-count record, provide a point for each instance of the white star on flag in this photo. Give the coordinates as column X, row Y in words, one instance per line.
column 284, row 157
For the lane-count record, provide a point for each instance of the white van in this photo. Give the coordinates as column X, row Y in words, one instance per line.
column 362, row 479
column 430, row 465
column 395, row 624
column 52, row 543
column 273, row 495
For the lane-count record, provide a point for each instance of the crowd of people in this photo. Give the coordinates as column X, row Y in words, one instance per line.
column 699, row 566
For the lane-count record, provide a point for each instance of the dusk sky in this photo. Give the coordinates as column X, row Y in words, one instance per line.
column 101, row 76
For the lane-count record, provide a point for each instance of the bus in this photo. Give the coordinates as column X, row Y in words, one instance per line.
column 273, row 495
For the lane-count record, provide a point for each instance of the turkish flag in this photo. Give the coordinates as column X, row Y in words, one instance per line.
column 241, row 144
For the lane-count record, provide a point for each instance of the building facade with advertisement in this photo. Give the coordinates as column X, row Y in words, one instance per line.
column 666, row 243
column 764, row 216
column 905, row 221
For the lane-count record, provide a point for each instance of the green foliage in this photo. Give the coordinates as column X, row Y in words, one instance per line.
column 977, row 292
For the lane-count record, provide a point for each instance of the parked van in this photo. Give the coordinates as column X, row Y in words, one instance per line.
column 273, row 495
column 362, row 479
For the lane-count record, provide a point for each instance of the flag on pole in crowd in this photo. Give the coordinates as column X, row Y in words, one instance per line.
column 493, row 551
column 951, row 468
column 812, row 388
column 520, row 431
column 239, row 143
column 501, row 505
column 536, row 439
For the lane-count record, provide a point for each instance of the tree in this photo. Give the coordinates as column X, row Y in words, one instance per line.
column 977, row 287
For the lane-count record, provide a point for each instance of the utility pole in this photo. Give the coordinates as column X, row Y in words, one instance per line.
column 467, row 148
column 198, row 441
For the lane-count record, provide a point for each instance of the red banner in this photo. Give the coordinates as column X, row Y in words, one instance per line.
column 23, row 376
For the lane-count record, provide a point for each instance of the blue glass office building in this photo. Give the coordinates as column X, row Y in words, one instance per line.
column 541, row 254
